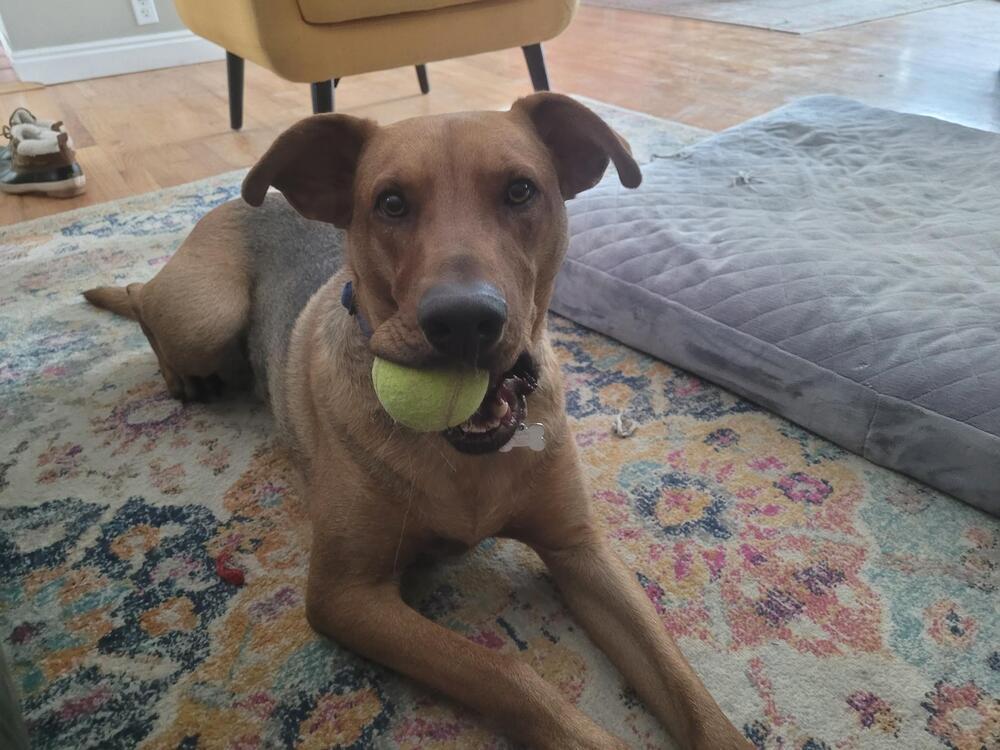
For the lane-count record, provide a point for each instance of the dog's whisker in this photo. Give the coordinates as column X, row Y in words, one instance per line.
column 445, row 459
column 402, row 530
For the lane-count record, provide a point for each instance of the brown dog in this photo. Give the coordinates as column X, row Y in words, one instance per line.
column 456, row 227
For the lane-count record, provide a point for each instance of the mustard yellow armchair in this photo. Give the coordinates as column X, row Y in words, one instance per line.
column 321, row 41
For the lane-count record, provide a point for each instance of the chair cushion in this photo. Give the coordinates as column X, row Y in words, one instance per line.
column 834, row 262
column 339, row 11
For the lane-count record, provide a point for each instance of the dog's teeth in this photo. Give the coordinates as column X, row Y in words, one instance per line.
column 477, row 426
column 500, row 409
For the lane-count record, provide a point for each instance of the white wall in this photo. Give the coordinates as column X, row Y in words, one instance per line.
column 50, row 41
column 50, row 23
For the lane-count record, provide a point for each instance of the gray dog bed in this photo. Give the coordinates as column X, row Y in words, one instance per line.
column 836, row 263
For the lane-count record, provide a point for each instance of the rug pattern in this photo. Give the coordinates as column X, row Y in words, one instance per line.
column 826, row 602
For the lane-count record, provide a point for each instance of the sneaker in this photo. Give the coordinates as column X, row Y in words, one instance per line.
column 41, row 158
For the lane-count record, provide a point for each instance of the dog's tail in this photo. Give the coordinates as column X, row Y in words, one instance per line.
column 117, row 299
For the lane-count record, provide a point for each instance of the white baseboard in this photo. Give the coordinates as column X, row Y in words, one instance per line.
column 111, row 57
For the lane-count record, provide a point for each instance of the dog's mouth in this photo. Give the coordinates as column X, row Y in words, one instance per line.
column 503, row 408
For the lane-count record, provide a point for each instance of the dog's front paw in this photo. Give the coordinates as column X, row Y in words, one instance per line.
column 592, row 737
column 722, row 738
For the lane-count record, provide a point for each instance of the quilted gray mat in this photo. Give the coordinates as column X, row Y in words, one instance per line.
column 838, row 264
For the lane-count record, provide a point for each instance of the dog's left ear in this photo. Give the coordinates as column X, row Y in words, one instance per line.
column 580, row 142
column 313, row 165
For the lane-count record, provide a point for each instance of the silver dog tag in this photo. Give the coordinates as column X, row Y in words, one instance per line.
column 527, row 436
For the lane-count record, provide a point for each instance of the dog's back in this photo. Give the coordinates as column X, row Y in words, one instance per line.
column 291, row 257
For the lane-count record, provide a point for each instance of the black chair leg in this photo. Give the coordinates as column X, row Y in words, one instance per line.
column 536, row 66
column 234, row 74
column 322, row 96
column 425, row 85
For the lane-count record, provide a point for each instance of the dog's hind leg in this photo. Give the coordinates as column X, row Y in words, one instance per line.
column 195, row 315
column 123, row 301
column 195, row 311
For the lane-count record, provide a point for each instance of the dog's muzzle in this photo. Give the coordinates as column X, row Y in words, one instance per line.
column 503, row 410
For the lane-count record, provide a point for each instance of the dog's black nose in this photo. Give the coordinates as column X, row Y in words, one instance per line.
column 462, row 320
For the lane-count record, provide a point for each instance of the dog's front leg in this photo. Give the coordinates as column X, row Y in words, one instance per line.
column 371, row 618
column 613, row 608
column 608, row 600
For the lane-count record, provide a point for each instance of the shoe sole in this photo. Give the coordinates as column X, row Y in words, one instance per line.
column 57, row 189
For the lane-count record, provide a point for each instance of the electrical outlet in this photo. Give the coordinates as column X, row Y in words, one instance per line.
column 145, row 12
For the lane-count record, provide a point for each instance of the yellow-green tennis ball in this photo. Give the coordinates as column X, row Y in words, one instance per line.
column 428, row 400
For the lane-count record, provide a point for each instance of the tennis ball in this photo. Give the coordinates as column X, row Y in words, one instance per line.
column 428, row 400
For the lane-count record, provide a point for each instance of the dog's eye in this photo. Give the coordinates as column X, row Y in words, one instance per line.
column 520, row 191
column 392, row 204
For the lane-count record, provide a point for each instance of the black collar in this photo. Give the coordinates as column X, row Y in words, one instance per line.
column 351, row 305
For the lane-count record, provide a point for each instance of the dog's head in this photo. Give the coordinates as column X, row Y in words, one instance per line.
column 456, row 225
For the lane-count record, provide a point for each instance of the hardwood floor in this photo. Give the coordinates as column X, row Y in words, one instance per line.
column 145, row 131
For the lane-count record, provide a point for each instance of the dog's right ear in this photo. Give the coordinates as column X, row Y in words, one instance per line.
column 313, row 164
column 580, row 142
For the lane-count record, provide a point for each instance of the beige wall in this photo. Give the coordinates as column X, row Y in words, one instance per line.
column 31, row 24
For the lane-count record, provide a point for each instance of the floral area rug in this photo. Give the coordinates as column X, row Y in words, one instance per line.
column 152, row 565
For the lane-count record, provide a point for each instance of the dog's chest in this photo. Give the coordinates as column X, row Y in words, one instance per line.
column 466, row 523
column 470, row 508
